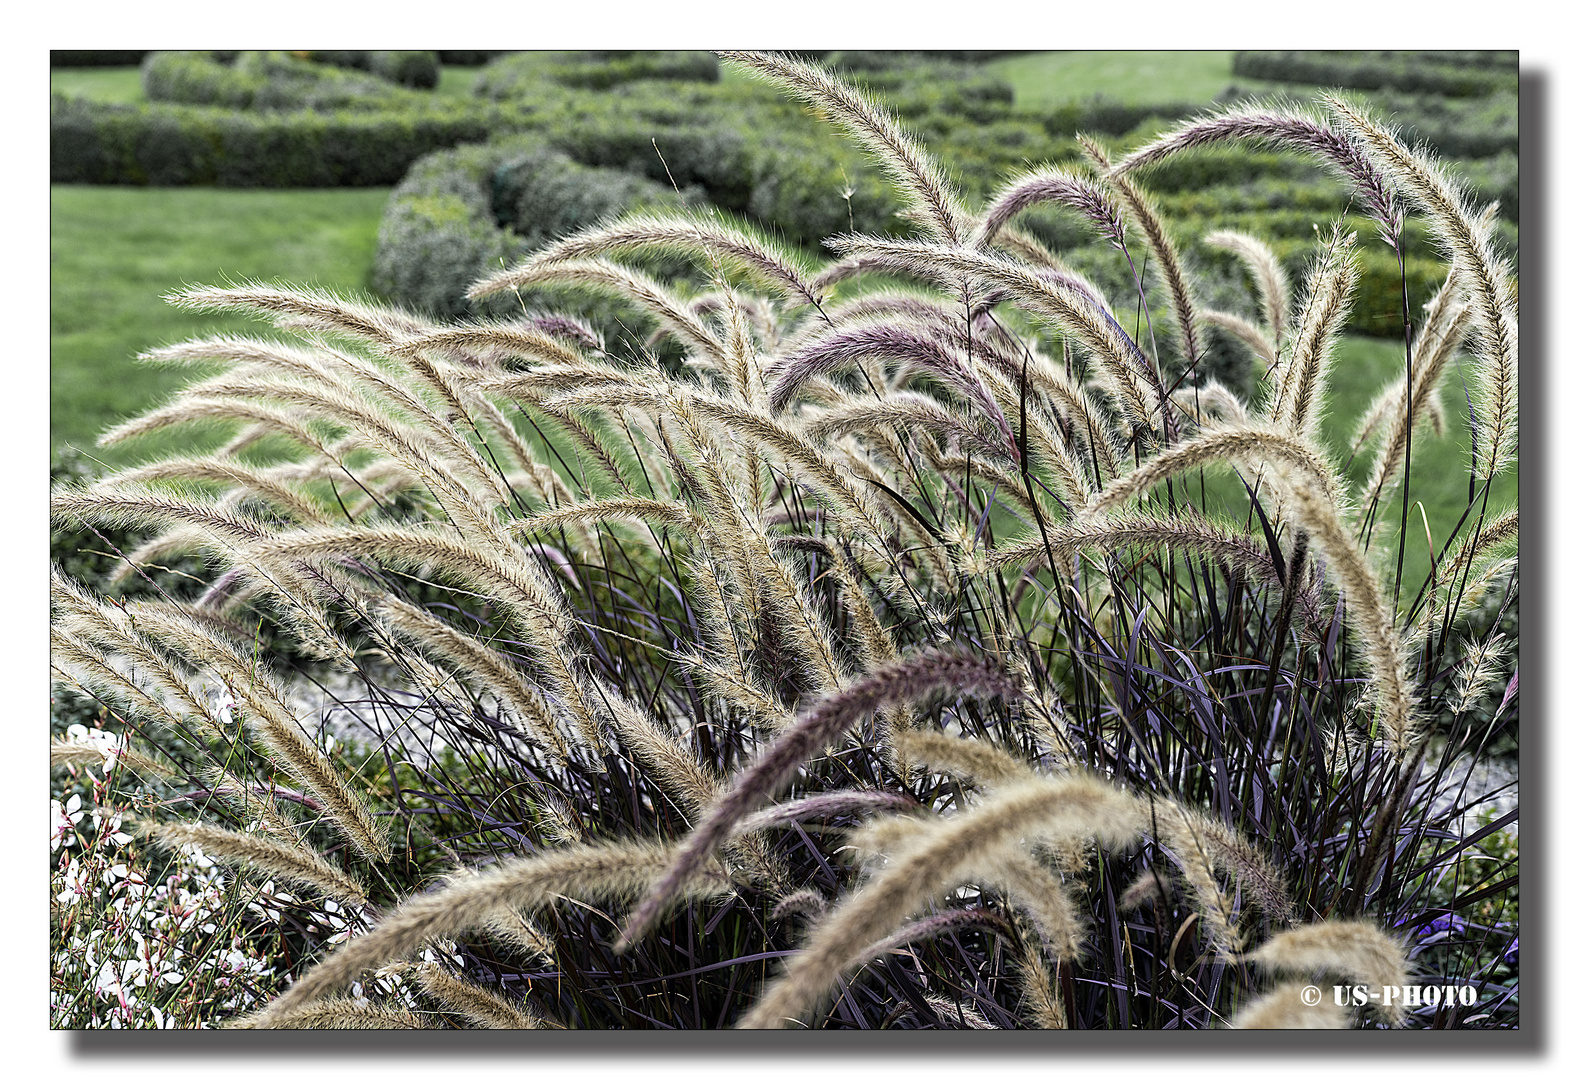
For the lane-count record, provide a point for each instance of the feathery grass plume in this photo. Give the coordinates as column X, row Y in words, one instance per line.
column 646, row 512
column 306, row 309
column 479, row 1007
column 944, row 922
column 1040, row 995
column 491, row 343
column 829, row 804
column 969, row 845
column 1244, row 331
column 84, row 615
column 591, row 441
column 271, row 718
column 961, row 756
column 1269, row 277
column 1167, row 261
column 1368, row 611
column 1447, row 322
column 827, row 475
column 1243, row 446
column 516, row 931
column 962, row 1016
column 1253, row 871
column 1149, row 886
column 257, row 805
column 933, row 204
column 1443, row 331
column 1491, row 537
column 502, row 571
column 136, row 506
column 699, row 239
column 295, row 863
column 1286, row 1007
column 602, row 276
column 1291, row 127
column 509, row 925
column 226, row 535
column 1483, row 664
column 93, row 670
column 595, row 873
column 1089, row 197
column 342, row 1014
column 1466, row 234
column 301, row 506
column 676, row 770
column 431, row 450
column 1185, row 531
column 1409, row 403
column 1056, row 296
column 1299, row 392
column 64, row 751
column 881, row 342
column 489, row 669
column 531, row 473
column 905, row 408
column 1358, row 950
column 1179, row 830
column 1039, row 890
column 907, row 679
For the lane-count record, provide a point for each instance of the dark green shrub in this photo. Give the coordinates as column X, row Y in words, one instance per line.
column 600, row 70
column 469, row 57
column 460, row 214
column 96, row 143
column 1412, row 71
column 1108, row 117
column 263, row 80
column 417, row 70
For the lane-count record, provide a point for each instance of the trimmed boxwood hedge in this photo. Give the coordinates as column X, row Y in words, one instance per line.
column 267, row 80
column 419, row 70
column 167, row 145
column 462, row 213
column 1451, row 74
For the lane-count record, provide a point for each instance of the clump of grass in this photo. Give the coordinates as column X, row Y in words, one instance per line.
column 923, row 629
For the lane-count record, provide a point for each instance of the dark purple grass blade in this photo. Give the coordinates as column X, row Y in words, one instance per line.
column 906, row 679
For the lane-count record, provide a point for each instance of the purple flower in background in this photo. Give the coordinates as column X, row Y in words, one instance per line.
column 1512, row 954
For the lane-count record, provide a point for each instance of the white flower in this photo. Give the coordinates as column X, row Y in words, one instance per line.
column 224, row 705
column 65, row 819
column 107, row 743
column 108, row 826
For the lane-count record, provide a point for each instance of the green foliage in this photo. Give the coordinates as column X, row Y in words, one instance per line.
column 414, row 69
column 462, row 214
column 1453, row 74
column 264, row 80
column 168, row 145
column 602, row 70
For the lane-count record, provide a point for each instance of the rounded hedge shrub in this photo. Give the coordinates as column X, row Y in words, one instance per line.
column 462, row 213
column 263, row 80
column 417, row 70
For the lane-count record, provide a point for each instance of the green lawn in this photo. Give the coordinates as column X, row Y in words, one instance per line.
column 114, row 251
column 1137, row 78
column 114, row 84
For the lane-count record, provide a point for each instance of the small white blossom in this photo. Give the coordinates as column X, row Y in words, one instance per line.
column 64, row 821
